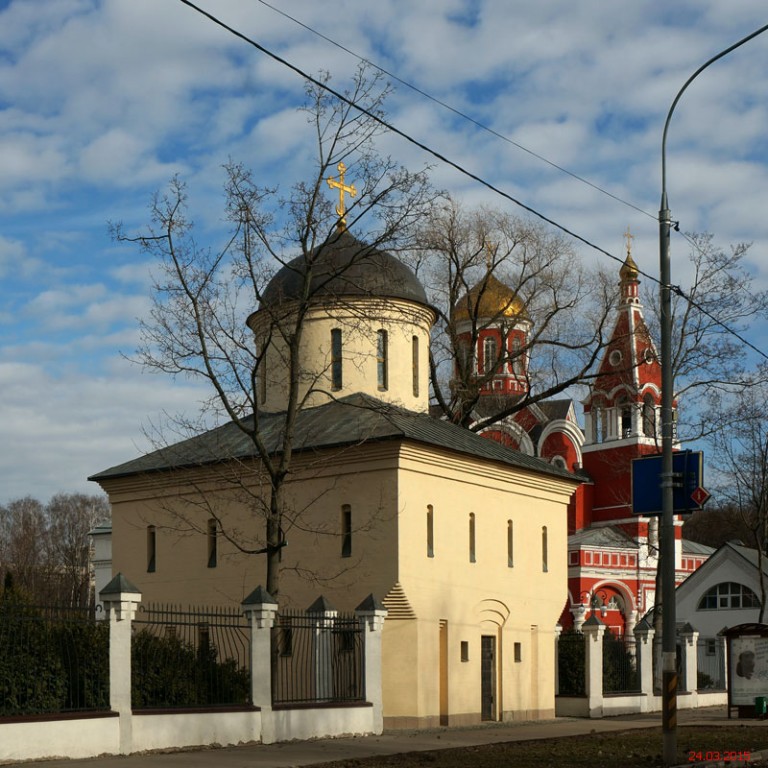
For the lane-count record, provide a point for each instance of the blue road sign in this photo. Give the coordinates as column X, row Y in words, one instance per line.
column 688, row 491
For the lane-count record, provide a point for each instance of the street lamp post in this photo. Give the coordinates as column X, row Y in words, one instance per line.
column 668, row 617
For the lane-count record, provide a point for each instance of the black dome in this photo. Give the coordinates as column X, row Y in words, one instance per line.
column 343, row 266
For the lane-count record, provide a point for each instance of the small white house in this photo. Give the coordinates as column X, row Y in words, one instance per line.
column 723, row 592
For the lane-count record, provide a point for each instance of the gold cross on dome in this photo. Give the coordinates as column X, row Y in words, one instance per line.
column 342, row 187
column 630, row 237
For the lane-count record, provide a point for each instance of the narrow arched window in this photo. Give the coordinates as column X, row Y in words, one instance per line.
column 415, row 364
column 464, row 357
column 430, row 531
column 381, row 359
column 336, row 369
column 517, row 356
column 212, row 544
column 490, row 354
column 544, row 550
column 263, row 380
column 510, row 544
column 151, row 548
column 649, row 416
column 346, row 530
column 625, row 417
column 472, row 537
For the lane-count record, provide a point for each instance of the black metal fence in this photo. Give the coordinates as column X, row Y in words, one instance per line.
column 198, row 657
column 620, row 673
column 710, row 664
column 571, row 666
column 317, row 659
column 52, row 660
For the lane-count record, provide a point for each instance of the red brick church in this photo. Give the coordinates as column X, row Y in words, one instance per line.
column 612, row 554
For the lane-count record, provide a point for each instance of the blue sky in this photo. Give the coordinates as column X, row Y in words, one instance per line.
column 101, row 102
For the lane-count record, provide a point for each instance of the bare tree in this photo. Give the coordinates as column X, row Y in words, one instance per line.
column 707, row 358
column 71, row 516
column 740, row 442
column 203, row 296
column 464, row 255
column 717, row 525
column 24, row 545
column 45, row 548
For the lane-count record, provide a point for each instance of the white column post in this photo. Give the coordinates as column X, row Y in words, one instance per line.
column 120, row 599
column 689, row 640
column 644, row 633
column 722, row 644
column 325, row 615
column 260, row 609
column 593, row 630
column 372, row 613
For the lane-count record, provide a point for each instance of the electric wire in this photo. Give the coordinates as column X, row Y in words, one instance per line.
column 393, row 129
column 456, row 111
column 464, row 171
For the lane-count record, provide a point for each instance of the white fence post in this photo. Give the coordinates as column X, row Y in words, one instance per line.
column 325, row 615
column 689, row 639
column 260, row 609
column 644, row 634
column 372, row 614
column 120, row 599
column 593, row 630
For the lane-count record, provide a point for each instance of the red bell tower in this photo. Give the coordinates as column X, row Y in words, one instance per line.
column 622, row 409
column 613, row 554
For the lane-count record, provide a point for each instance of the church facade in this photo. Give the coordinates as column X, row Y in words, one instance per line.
column 612, row 553
column 463, row 539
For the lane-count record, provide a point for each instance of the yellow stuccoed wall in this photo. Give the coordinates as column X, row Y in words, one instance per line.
column 388, row 486
column 520, row 604
column 363, row 478
column 359, row 320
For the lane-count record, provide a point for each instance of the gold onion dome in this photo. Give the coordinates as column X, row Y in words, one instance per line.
column 629, row 270
column 489, row 299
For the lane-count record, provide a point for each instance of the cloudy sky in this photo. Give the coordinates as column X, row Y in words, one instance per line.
column 102, row 101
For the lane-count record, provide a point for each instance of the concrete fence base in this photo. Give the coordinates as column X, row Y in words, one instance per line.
column 124, row 731
column 43, row 738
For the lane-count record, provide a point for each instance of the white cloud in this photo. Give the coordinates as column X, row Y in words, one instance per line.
column 15, row 260
column 61, row 430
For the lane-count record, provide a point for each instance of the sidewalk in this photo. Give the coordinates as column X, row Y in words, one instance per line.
column 298, row 753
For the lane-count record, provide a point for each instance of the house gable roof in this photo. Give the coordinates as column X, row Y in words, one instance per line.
column 743, row 557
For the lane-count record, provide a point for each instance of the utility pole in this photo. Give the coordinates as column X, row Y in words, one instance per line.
column 668, row 612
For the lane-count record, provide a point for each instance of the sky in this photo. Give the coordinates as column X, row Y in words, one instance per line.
column 103, row 101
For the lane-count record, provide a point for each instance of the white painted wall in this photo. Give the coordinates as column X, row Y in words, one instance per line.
column 318, row 723
column 194, row 729
column 69, row 738
column 41, row 739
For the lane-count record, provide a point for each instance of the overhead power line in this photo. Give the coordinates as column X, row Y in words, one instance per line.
column 464, row 171
column 458, row 112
